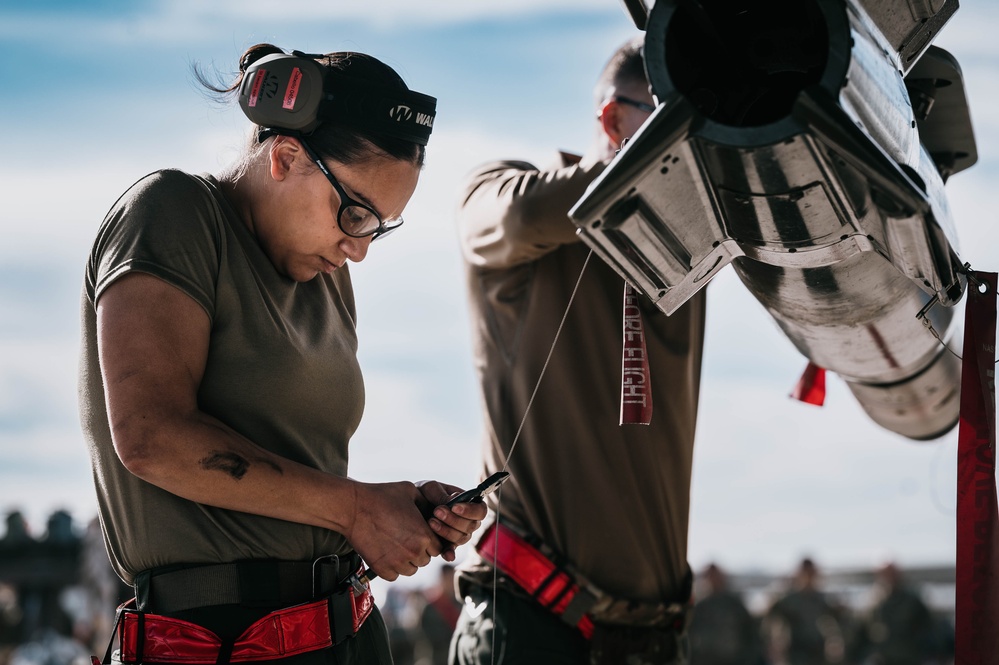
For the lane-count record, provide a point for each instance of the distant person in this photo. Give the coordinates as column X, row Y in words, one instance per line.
column 943, row 641
column 722, row 631
column 804, row 627
column 604, row 505
column 15, row 546
column 38, row 571
column 16, row 537
column 438, row 618
column 59, row 531
column 220, row 386
column 401, row 609
column 899, row 629
column 11, row 616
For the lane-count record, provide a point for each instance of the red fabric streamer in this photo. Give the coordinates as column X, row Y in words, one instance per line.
column 811, row 387
column 977, row 576
column 636, row 390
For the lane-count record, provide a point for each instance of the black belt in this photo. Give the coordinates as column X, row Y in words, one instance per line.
column 253, row 583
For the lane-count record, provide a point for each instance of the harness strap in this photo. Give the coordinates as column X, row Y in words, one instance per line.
column 551, row 585
column 290, row 631
column 114, row 631
column 295, row 630
column 225, row 652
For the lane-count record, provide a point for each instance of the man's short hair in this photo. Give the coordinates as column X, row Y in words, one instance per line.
column 626, row 66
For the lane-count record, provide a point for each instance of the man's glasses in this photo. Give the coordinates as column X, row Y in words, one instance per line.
column 354, row 218
column 641, row 106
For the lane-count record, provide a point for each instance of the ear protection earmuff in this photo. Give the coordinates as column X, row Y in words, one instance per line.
column 294, row 94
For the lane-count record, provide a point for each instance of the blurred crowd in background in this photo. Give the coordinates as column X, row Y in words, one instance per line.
column 58, row 595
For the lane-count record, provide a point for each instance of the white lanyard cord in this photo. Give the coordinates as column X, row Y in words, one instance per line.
column 516, row 439
column 544, row 367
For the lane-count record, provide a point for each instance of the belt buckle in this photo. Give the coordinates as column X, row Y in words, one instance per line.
column 355, row 582
column 317, row 579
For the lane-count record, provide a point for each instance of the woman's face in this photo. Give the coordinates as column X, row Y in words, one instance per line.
column 297, row 225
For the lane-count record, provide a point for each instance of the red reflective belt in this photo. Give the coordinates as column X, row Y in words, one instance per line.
column 550, row 585
column 287, row 632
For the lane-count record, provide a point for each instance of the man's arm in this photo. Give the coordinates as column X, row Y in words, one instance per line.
column 512, row 213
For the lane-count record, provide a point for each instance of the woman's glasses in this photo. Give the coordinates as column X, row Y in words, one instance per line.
column 354, row 218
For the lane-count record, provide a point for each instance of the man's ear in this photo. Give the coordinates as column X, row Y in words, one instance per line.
column 283, row 153
column 610, row 121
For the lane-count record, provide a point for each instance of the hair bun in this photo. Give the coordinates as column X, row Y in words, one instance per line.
column 255, row 53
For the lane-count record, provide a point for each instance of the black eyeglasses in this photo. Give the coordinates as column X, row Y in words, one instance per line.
column 354, row 218
column 641, row 106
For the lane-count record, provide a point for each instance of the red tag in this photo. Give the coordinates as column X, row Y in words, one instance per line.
column 811, row 387
column 636, row 391
column 977, row 574
column 291, row 94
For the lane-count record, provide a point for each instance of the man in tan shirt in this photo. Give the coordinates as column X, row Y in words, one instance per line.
column 607, row 503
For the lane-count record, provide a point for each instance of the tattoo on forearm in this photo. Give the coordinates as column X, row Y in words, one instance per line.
column 232, row 464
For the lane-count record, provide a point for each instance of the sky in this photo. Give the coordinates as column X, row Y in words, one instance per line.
column 99, row 93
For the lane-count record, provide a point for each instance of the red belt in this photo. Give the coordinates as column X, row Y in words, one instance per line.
column 287, row 632
column 550, row 584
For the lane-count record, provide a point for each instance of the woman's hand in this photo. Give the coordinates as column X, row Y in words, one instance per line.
column 389, row 529
column 454, row 525
column 399, row 527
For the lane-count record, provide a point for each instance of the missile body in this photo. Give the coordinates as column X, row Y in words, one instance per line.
column 808, row 145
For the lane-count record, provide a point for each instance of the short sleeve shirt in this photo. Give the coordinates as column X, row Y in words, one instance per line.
column 281, row 370
column 614, row 500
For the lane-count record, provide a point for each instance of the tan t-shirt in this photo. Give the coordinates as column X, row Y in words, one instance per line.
column 281, row 370
column 613, row 499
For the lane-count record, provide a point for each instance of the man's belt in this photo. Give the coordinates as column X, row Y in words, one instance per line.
column 550, row 584
column 560, row 589
column 320, row 624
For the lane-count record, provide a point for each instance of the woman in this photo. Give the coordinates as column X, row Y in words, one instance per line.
column 219, row 382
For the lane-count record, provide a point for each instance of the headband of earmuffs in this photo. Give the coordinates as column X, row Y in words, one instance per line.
column 295, row 94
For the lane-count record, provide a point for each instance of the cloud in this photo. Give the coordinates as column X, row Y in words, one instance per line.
column 770, row 474
column 772, row 477
column 389, row 13
column 969, row 33
column 182, row 23
column 404, row 437
column 45, row 469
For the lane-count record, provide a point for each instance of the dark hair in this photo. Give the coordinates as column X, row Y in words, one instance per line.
column 626, row 65
column 338, row 140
